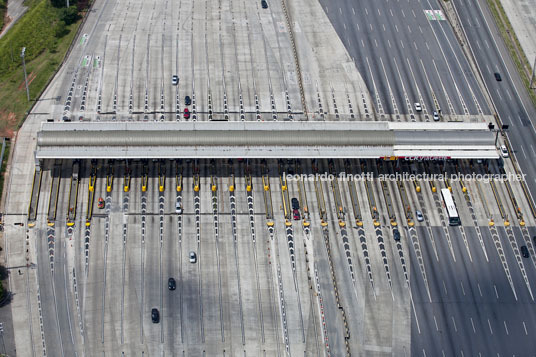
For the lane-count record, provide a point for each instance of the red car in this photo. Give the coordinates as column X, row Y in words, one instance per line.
column 186, row 113
column 296, row 214
column 100, row 203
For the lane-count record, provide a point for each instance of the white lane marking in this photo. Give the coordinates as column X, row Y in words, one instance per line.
column 496, row 293
column 523, row 151
column 454, row 322
column 525, row 328
column 391, row 10
column 499, row 93
column 490, row 329
column 532, row 148
column 396, row 27
column 383, row 25
column 357, row 25
column 435, row 321
column 403, row 14
column 489, row 71
column 402, row 43
column 445, row 287
column 420, row 28
column 409, row 29
column 478, row 44
column 389, row 43
column 362, row 43
column 340, row 11
column 505, row 327
column 415, row 45
column 518, row 118
column 327, row 10
column 463, row 290
column 479, row 290
column 344, row 25
column 427, row 47
column 473, row 324
column 353, row 11
column 366, row 11
column 370, row 27
column 379, row 13
column 508, row 92
column 376, row 42
column 413, row 13
column 486, row 42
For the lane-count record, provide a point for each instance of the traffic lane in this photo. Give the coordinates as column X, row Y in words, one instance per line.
column 424, row 333
column 443, row 338
column 530, row 268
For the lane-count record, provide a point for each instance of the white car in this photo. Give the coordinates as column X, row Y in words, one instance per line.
column 504, row 151
column 193, row 257
column 178, row 208
column 175, row 80
column 436, row 116
column 418, row 107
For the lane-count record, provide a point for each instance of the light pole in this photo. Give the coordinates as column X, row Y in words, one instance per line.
column 25, row 76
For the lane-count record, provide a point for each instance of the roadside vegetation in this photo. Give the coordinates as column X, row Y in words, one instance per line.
column 511, row 41
column 46, row 30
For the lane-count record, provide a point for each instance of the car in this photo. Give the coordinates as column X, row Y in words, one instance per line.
column 295, row 203
column 396, row 235
column 419, row 216
column 436, row 116
column 187, row 100
column 418, row 107
column 504, row 151
column 100, row 203
column 534, row 239
column 186, row 113
column 155, row 315
column 178, row 207
column 497, row 76
column 175, row 80
column 296, row 214
column 524, row 251
column 193, row 257
column 171, row 284
column 264, row 4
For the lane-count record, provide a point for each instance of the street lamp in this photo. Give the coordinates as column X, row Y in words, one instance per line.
column 25, row 76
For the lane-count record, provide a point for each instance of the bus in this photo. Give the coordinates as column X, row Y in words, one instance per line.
column 452, row 212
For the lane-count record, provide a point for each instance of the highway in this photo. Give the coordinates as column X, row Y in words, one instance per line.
column 509, row 97
column 407, row 54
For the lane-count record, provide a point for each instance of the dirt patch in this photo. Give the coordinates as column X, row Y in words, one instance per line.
column 8, row 121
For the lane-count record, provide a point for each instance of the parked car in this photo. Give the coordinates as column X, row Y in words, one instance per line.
column 155, row 315
column 193, row 257
column 396, row 235
column 295, row 203
column 171, row 284
column 504, row 151
column 419, row 216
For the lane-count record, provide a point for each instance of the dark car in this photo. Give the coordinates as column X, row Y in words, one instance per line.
column 498, row 76
column 187, row 100
column 171, row 284
column 396, row 235
column 534, row 239
column 155, row 315
column 296, row 214
column 295, row 203
column 264, row 4
column 186, row 113
column 524, row 251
